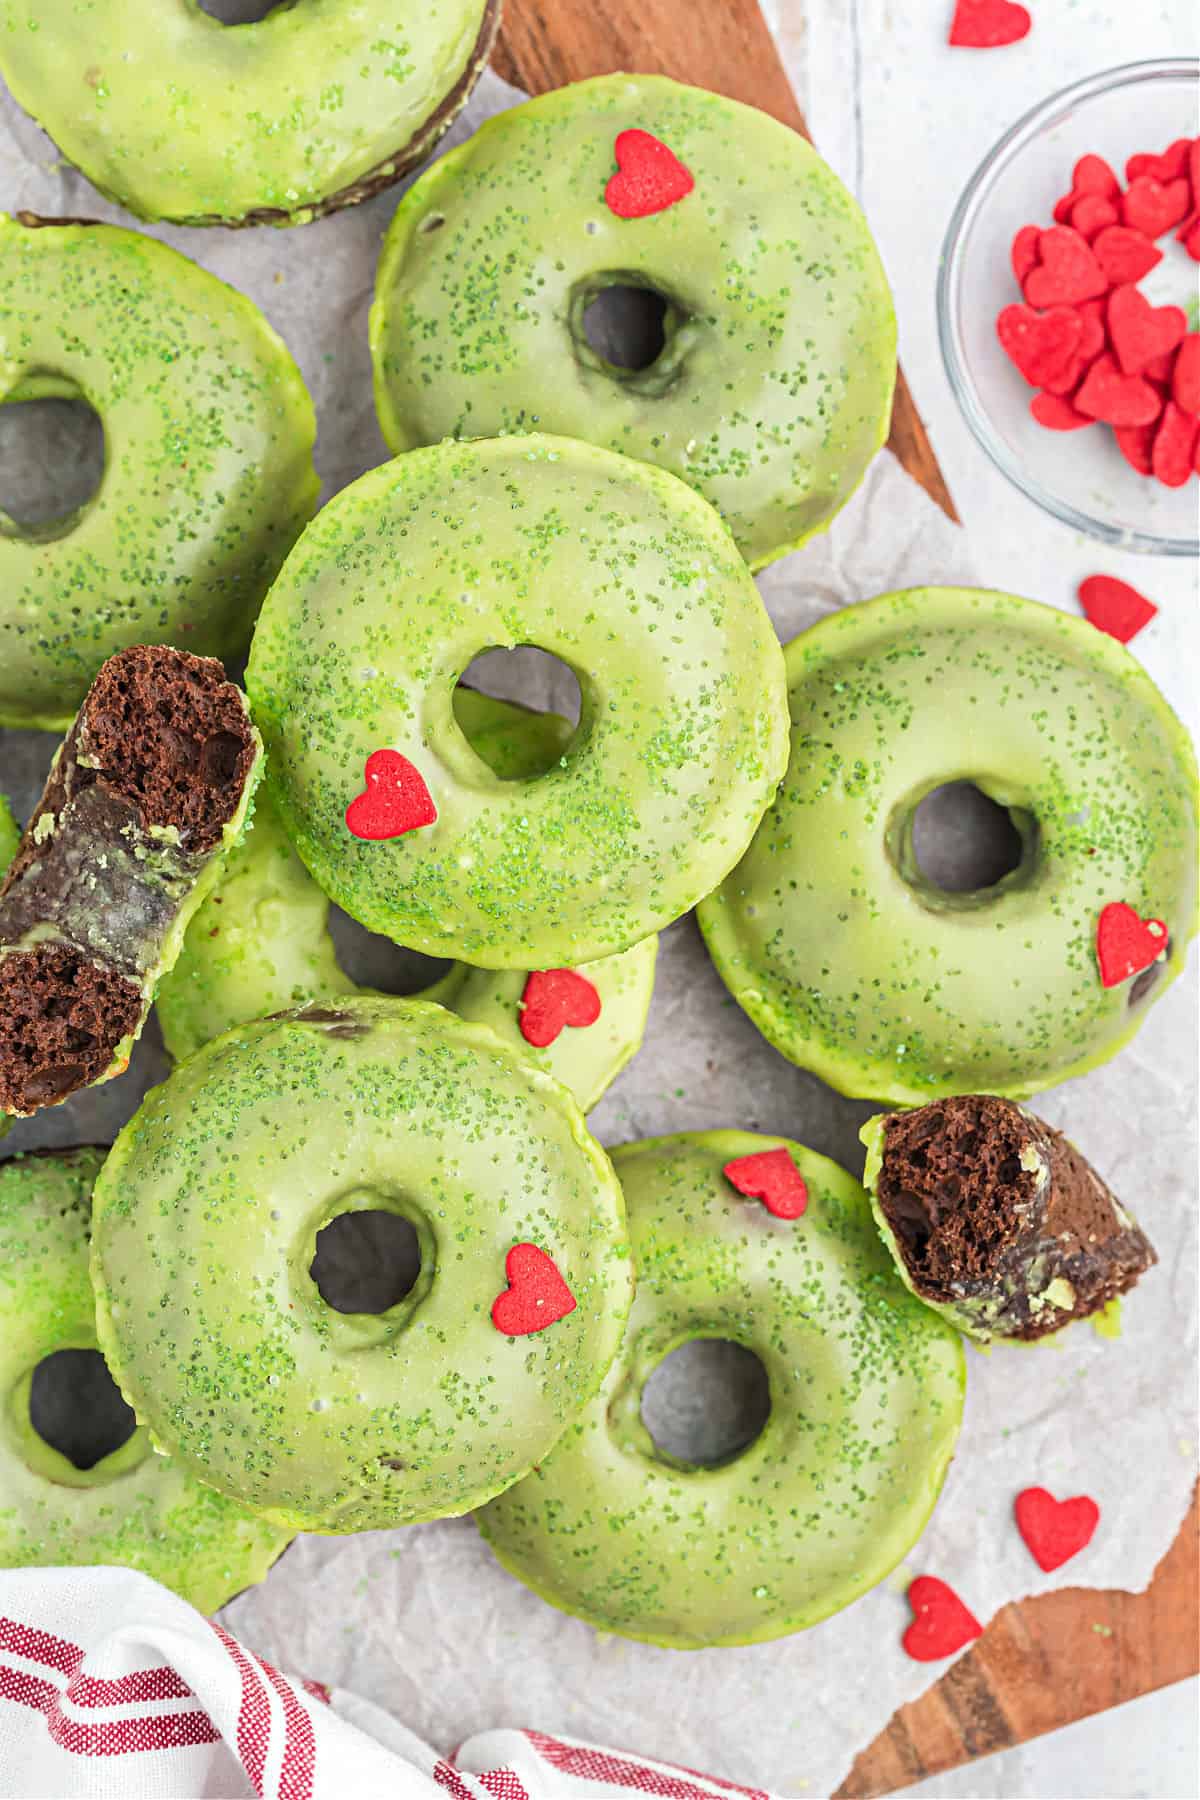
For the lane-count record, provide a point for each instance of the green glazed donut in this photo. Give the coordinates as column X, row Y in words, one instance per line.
column 177, row 116
column 866, row 1388
column 773, row 388
column 611, row 565
column 206, row 1219
column 857, row 967
column 208, row 476
column 261, row 944
column 132, row 1508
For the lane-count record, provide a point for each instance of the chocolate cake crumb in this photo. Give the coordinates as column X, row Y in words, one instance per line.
column 998, row 1218
column 61, row 1019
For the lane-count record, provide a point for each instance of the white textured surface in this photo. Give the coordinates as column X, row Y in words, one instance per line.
column 423, row 1621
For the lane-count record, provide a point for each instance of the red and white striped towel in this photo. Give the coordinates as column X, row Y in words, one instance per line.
column 112, row 1686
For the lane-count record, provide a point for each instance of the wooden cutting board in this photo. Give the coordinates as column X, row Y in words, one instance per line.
column 1044, row 1662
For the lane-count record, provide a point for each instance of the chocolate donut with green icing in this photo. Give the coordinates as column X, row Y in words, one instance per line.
column 261, row 943
column 613, row 566
column 767, row 375
column 207, row 1215
column 852, row 962
column 866, row 1394
column 995, row 1218
column 146, row 794
column 131, row 1507
column 179, row 116
column 208, row 439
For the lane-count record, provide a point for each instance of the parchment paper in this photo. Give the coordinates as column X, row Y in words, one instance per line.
column 422, row 1621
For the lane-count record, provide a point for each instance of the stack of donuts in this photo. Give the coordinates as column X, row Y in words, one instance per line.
column 194, row 833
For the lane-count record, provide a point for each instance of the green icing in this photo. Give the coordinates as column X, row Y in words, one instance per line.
column 207, row 1214
column 613, row 566
column 855, row 967
column 261, row 943
column 132, row 1508
column 774, row 387
column 866, row 1399
column 208, row 475
column 10, row 834
column 179, row 117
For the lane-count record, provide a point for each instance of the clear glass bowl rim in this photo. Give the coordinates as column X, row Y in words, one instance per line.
column 962, row 221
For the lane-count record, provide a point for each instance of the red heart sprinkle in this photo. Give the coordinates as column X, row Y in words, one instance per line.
column 1160, row 369
column 772, row 1177
column 1092, row 213
column 1067, row 273
column 1172, row 162
column 941, row 1623
column 1044, row 346
column 1138, row 331
column 1126, row 944
column 1191, row 242
column 1125, row 255
column 1056, row 413
column 1155, row 206
column 395, row 800
column 649, row 177
column 1092, row 175
column 536, row 1295
column 1117, row 399
column 1025, row 251
column 552, row 999
column 988, row 24
column 1185, row 378
column 1136, row 444
column 1173, row 454
column 1115, row 607
column 1055, row 1530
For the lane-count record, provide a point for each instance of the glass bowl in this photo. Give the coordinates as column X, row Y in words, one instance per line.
column 1080, row 476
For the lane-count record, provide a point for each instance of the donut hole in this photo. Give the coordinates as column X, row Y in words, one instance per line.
column 75, row 1406
column 240, row 12
column 373, row 961
column 51, row 464
column 519, row 745
column 706, row 1402
column 366, row 1262
column 962, row 842
column 626, row 326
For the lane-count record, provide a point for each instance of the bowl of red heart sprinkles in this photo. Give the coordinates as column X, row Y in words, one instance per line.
column 1069, row 306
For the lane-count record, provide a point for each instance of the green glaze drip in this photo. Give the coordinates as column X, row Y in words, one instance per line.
column 261, row 943
column 881, row 985
column 866, row 1401
column 208, row 475
column 207, row 1214
column 177, row 116
column 774, row 389
column 613, row 566
column 132, row 1508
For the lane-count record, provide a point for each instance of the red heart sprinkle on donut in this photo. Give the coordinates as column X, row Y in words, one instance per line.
column 772, row 1177
column 1125, row 255
column 1024, row 252
column 649, row 177
column 1185, row 377
column 1067, row 273
column 1173, row 454
column 988, row 24
column 536, row 1295
column 1056, row 413
column 1055, row 1530
column 941, row 1623
column 1153, row 207
column 1114, row 607
column 1138, row 331
column 552, row 999
column 1117, row 399
column 394, row 801
column 1126, row 944
column 1044, row 346
column 1172, row 162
